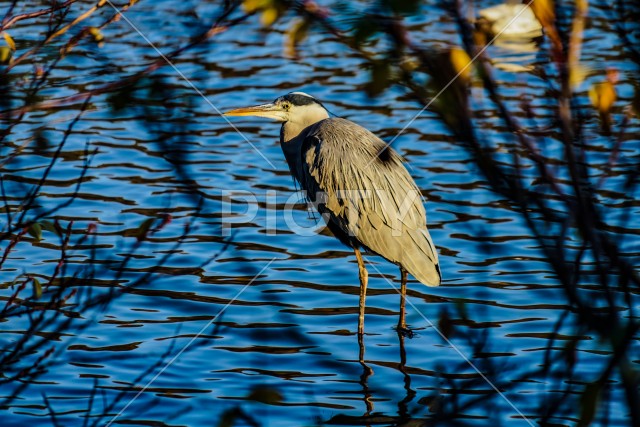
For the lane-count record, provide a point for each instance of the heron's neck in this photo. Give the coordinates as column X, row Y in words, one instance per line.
column 291, row 144
column 292, row 128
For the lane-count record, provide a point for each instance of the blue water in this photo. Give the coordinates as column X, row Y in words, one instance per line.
column 255, row 309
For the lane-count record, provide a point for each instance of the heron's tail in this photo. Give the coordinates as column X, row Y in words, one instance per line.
column 421, row 258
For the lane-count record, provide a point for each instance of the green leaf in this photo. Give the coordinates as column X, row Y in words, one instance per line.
column 35, row 231
column 50, row 227
column 144, row 228
column 37, row 288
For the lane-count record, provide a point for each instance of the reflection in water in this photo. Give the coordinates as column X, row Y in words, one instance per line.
column 403, row 408
column 403, row 399
column 364, row 378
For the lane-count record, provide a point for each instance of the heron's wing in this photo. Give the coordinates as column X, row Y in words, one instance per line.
column 362, row 186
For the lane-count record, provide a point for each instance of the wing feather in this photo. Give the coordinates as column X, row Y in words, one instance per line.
column 370, row 197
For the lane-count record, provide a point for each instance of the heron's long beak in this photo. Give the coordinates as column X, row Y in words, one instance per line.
column 270, row 111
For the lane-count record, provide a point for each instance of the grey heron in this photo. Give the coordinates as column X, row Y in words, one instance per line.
column 359, row 185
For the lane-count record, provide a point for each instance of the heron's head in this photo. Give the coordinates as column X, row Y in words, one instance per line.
column 292, row 107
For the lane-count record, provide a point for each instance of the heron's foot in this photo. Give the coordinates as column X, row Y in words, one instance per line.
column 405, row 331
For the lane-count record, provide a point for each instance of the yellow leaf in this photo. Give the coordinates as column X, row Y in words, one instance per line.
column 603, row 95
column 461, row 63
column 250, row 6
column 9, row 40
column 5, row 54
column 97, row 35
column 295, row 34
column 269, row 16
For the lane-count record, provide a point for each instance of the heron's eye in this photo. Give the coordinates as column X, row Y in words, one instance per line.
column 286, row 106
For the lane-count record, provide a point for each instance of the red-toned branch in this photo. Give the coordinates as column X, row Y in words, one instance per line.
column 163, row 61
column 10, row 21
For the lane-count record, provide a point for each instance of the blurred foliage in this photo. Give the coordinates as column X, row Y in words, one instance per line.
column 66, row 297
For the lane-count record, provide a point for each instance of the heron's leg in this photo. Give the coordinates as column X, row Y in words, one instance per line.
column 363, row 289
column 403, row 294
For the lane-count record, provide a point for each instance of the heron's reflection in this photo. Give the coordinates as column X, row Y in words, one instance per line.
column 403, row 405
column 364, row 378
